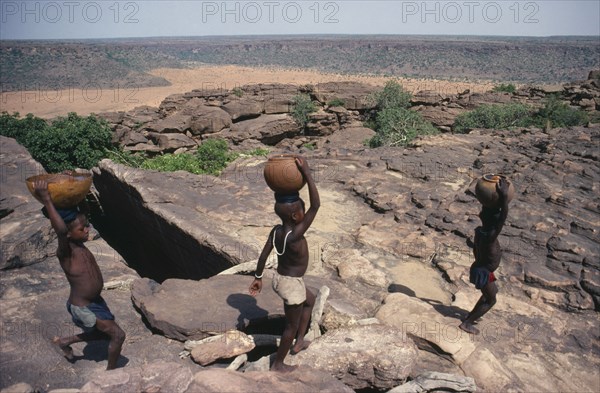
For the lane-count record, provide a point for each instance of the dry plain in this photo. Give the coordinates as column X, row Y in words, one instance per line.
column 92, row 99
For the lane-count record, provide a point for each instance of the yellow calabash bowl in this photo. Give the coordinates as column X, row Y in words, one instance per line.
column 65, row 191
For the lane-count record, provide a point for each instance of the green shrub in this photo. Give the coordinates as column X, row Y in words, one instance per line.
column 302, row 106
column 336, row 102
column 237, row 91
column 174, row 162
column 13, row 127
column 505, row 88
column 70, row 142
column 213, row 156
column 257, row 152
column 393, row 95
column 399, row 126
column 494, row 116
column 125, row 157
column 394, row 123
column 557, row 113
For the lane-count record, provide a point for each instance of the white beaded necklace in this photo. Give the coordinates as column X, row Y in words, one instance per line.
column 284, row 242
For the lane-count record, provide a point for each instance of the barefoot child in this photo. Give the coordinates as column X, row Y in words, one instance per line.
column 86, row 306
column 292, row 255
column 487, row 257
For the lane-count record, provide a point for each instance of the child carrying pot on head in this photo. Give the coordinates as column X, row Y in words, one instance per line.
column 292, row 254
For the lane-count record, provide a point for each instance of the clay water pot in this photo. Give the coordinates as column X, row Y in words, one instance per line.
column 65, row 191
column 282, row 174
column 486, row 193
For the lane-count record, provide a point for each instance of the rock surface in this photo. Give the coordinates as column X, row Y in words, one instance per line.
column 437, row 382
column 371, row 356
column 302, row 380
column 392, row 240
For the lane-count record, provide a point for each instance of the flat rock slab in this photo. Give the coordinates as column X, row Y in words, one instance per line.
column 371, row 356
column 192, row 310
column 301, row 380
column 174, row 377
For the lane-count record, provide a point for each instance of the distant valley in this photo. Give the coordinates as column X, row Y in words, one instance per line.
column 31, row 65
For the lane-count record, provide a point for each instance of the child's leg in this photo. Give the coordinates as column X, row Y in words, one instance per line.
column 117, row 337
column 293, row 314
column 485, row 303
column 64, row 343
column 307, row 308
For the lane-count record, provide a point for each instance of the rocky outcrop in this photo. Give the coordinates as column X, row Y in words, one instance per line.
column 392, row 241
column 261, row 112
column 173, row 236
column 25, row 235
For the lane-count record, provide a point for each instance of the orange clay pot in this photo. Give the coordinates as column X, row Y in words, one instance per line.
column 282, row 174
column 65, row 191
column 486, row 193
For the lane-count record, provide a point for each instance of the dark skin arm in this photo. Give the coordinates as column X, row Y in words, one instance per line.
column 256, row 285
column 40, row 188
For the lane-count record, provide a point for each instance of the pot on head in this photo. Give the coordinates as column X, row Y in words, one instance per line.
column 485, row 190
column 282, row 174
column 66, row 191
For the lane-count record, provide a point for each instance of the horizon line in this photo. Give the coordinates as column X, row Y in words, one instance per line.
column 310, row 35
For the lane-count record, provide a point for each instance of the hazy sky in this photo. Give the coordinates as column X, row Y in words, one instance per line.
column 63, row 19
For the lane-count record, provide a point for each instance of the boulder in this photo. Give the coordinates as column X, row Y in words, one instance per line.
column 437, row 382
column 170, row 142
column 139, row 116
column 176, row 123
column 355, row 95
column 440, row 116
column 370, row 356
column 243, row 109
column 224, row 346
column 171, row 104
column 205, row 119
column 427, row 97
column 275, row 98
column 268, row 129
column 322, row 123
